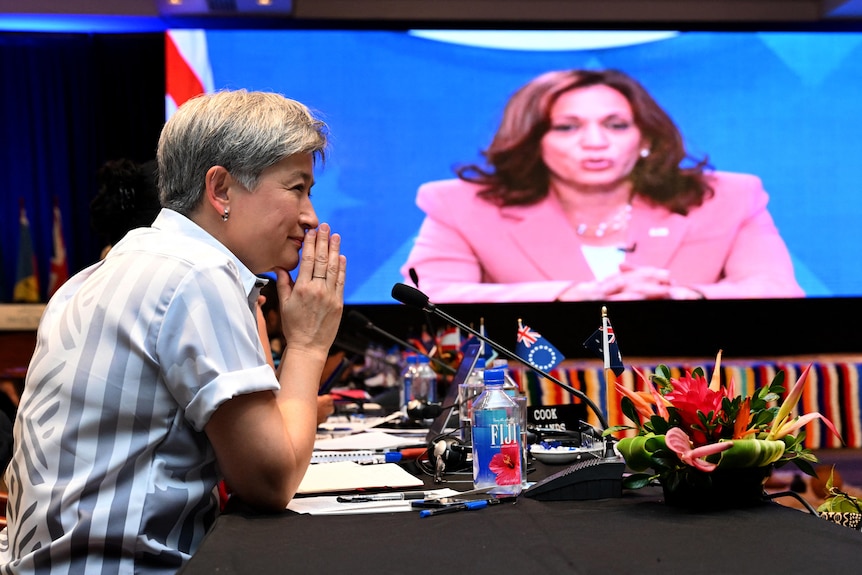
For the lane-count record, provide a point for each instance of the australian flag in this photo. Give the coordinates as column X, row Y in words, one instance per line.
column 536, row 350
column 603, row 342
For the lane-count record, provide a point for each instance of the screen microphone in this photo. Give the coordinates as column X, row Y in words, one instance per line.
column 415, row 298
column 414, row 277
column 359, row 320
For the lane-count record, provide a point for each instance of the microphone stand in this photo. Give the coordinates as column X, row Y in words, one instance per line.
column 428, row 306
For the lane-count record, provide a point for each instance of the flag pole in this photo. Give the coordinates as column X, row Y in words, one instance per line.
column 482, row 342
column 610, row 376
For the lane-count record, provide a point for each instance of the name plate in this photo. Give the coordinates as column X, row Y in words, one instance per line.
column 566, row 417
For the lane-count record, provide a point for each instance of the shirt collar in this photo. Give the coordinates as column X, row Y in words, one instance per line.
column 171, row 221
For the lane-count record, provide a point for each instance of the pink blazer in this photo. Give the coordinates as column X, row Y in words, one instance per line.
column 469, row 250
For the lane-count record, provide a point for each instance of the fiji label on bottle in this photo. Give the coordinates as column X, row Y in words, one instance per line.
column 496, row 452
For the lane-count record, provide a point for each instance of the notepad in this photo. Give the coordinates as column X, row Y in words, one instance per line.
column 350, row 476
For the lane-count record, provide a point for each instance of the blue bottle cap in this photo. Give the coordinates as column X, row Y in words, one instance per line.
column 494, row 377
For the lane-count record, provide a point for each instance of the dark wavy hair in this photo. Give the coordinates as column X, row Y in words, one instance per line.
column 128, row 198
column 516, row 174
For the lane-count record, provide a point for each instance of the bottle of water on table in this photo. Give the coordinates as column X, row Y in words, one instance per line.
column 497, row 450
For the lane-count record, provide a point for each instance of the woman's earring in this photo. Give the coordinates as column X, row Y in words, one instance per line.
column 644, row 152
column 225, row 215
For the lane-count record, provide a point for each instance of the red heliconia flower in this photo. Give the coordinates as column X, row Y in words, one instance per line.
column 506, row 465
column 691, row 394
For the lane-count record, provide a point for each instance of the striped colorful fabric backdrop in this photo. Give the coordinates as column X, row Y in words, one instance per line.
column 832, row 389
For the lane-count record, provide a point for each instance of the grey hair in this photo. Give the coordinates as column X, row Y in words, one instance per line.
column 244, row 132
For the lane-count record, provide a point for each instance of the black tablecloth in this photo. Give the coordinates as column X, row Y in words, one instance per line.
column 635, row 534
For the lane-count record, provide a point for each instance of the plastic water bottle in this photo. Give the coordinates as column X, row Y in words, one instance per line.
column 424, row 384
column 407, row 377
column 497, row 449
column 468, row 391
column 512, row 390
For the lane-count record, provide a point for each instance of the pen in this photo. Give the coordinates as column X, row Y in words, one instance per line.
column 405, row 496
column 469, row 506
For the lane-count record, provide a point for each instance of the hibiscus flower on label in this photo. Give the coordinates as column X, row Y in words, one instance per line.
column 506, row 465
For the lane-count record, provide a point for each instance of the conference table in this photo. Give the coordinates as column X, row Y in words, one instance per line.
column 636, row 533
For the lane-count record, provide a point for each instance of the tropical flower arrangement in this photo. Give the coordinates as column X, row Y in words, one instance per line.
column 688, row 428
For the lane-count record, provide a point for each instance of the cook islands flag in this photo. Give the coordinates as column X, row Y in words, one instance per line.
column 536, row 350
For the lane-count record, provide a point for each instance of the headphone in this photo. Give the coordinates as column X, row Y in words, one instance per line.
column 444, row 454
column 452, row 452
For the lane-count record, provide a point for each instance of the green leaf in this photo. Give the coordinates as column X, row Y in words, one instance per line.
column 778, row 380
column 634, row 452
column 762, row 418
column 628, row 409
column 659, row 425
column 804, row 466
column 637, row 480
column 656, row 444
column 751, row 453
column 829, row 483
column 840, row 502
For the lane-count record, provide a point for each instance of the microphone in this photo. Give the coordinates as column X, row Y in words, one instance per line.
column 414, row 277
column 359, row 320
column 415, row 298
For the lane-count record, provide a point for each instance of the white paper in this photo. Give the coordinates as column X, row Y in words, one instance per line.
column 350, row 476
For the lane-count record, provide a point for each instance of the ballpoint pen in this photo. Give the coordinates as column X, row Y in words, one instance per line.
column 468, row 506
column 403, row 496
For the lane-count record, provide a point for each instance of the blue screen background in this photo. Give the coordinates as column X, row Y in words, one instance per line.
column 403, row 110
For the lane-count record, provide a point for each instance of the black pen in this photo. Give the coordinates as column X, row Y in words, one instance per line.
column 405, row 496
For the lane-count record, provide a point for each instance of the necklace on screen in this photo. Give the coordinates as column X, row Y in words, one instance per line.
column 618, row 221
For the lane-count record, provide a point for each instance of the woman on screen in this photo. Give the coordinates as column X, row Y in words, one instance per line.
column 589, row 194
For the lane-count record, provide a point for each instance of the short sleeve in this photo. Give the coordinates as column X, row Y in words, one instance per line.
column 208, row 346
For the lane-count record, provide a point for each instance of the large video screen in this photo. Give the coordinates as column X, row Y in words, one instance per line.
column 408, row 107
